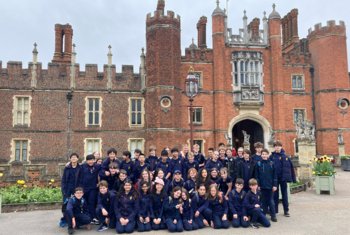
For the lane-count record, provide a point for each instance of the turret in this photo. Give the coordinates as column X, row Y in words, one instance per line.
column 63, row 44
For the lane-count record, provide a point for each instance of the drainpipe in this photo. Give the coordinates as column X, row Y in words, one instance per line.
column 69, row 97
column 312, row 74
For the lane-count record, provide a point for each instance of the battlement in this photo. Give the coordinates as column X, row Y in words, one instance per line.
column 159, row 16
column 332, row 28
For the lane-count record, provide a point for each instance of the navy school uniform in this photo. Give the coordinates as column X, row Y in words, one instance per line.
column 199, row 157
column 138, row 169
column 211, row 164
column 256, row 158
column 235, row 203
column 165, row 166
column 88, row 180
column 267, row 179
column 176, row 164
column 218, row 209
column 223, row 161
column 152, row 161
column 77, row 208
column 223, row 184
column 106, row 201
column 246, row 171
column 107, row 161
column 145, row 210
column 232, row 168
column 172, row 213
column 129, row 168
column 285, row 173
column 157, row 201
column 118, row 184
column 126, row 206
column 190, row 186
column 187, row 216
column 200, row 204
column 174, row 184
column 111, row 179
column 249, row 209
column 188, row 165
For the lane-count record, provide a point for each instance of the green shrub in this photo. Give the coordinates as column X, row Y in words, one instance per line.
column 345, row 157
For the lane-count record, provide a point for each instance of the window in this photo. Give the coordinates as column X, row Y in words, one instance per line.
column 92, row 145
column 247, row 68
column 93, row 111
column 197, row 115
column 299, row 115
column 20, row 150
column 200, row 143
column 21, row 110
column 199, row 76
column 136, row 143
column 136, row 112
column 298, row 82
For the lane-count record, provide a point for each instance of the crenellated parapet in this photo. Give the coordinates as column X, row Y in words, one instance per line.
column 331, row 29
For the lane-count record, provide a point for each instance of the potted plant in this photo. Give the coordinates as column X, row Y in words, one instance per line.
column 345, row 163
column 323, row 170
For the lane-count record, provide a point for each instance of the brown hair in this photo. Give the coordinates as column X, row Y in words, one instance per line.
column 103, row 183
column 253, row 182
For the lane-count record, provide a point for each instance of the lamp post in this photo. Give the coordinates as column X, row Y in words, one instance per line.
column 191, row 92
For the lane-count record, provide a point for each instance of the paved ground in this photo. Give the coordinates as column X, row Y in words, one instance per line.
column 310, row 214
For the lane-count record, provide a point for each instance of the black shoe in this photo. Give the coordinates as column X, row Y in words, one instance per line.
column 254, row 225
column 286, row 214
column 70, row 231
column 273, row 219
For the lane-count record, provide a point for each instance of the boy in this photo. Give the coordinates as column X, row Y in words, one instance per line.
column 112, row 176
column 105, row 209
column 285, row 174
column 267, row 179
column 69, row 182
column 137, row 153
column 190, row 163
column 164, row 164
column 111, row 157
column 152, row 159
column 246, row 169
column 88, row 180
column 128, row 165
column 236, row 197
column 258, row 148
column 176, row 182
column 184, row 152
column 252, row 206
column 240, row 154
column 77, row 212
column 176, row 161
column 213, row 162
column 231, row 164
column 198, row 156
column 120, row 181
column 222, row 156
column 140, row 165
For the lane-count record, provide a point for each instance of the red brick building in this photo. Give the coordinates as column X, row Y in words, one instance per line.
column 262, row 80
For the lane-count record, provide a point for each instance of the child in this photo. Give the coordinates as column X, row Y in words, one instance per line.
column 219, row 208
column 222, row 156
column 164, row 164
column 267, row 181
column 285, row 174
column 190, row 184
column 198, row 156
column 176, row 182
column 159, row 173
column 128, row 165
column 188, row 164
column 258, row 148
column 246, row 169
column 152, row 159
column 145, row 177
column 252, row 206
column 172, row 214
column 203, row 178
column 111, row 157
column 157, row 200
column 88, row 180
column 176, row 161
column 145, row 208
column 187, row 212
column 231, row 164
column 137, row 153
column 236, row 197
column 125, row 208
column 240, row 154
column 140, row 165
column 213, row 162
column 225, row 182
column 119, row 183
column 69, row 183
column 104, row 210
column 200, row 207
column 112, row 176
column 214, row 177
column 77, row 212
column 184, row 152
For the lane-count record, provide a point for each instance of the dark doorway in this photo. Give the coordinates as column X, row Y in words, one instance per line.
column 252, row 128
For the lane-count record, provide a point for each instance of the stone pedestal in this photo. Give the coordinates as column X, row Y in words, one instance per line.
column 307, row 151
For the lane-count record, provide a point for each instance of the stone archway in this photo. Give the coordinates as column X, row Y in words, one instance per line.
column 255, row 118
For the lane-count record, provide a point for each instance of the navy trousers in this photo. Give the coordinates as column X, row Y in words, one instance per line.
column 239, row 222
column 103, row 218
column 284, row 188
column 219, row 223
column 158, row 226
column 80, row 219
column 178, row 227
column 128, row 228
column 143, row 227
column 257, row 215
column 90, row 196
column 189, row 226
column 267, row 200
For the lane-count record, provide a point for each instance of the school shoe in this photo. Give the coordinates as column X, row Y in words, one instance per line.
column 70, row 231
column 286, row 214
column 273, row 219
column 62, row 223
column 254, row 225
column 102, row 228
column 95, row 221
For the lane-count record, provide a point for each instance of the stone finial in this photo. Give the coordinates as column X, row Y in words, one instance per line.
column 109, row 55
column 74, row 54
column 245, row 15
column 142, row 51
column 274, row 14
column 264, row 18
column 35, row 53
column 218, row 10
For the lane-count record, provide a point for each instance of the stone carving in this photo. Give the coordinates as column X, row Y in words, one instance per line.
column 250, row 94
column 340, row 138
column 305, row 130
column 246, row 137
column 272, row 137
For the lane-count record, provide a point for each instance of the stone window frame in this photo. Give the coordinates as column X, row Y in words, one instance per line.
column 302, row 81
column 87, row 111
column 136, row 139
column 142, row 111
column 13, row 150
column 86, row 145
column 200, row 80
column 202, row 148
column 294, row 110
column 202, row 117
column 15, row 111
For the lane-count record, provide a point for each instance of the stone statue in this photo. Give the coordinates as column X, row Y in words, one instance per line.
column 246, row 137
column 340, row 138
column 305, row 130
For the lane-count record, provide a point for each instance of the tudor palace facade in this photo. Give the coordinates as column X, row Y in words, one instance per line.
column 262, row 80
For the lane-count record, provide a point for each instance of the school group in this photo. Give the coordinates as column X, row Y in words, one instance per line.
column 178, row 190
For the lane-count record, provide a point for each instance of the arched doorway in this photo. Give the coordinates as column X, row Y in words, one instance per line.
column 252, row 128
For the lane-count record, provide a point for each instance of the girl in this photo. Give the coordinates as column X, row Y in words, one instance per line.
column 203, row 178
column 200, row 207
column 219, row 208
column 159, row 173
column 187, row 212
column 144, row 214
column 176, row 182
column 214, row 177
column 225, row 182
column 157, row 199
column 145, row 177
column 190, row 184
column 172, row 214
column 125, row 208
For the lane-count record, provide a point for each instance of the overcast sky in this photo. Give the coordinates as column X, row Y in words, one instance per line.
column 121, row 24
